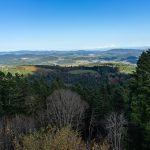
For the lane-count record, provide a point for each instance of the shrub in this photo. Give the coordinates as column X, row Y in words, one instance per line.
column 50, row 139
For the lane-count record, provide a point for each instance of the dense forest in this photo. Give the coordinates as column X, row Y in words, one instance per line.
column 76, row 108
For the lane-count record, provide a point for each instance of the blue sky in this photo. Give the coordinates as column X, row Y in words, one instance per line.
column 73, row 24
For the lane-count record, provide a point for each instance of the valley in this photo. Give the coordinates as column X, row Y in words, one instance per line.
column 70, row 58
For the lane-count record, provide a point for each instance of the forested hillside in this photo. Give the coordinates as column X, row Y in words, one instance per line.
column 103, row 107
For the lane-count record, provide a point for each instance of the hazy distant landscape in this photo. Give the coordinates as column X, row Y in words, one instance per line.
column 68, row 58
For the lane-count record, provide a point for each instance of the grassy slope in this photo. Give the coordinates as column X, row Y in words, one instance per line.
column 14, row 70
column 122, row 67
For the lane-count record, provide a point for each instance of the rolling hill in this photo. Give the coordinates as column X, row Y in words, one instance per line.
column 64, row 58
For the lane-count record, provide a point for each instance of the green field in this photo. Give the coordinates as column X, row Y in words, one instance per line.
column 125, row 68
column 14, row 70
column 122, row 67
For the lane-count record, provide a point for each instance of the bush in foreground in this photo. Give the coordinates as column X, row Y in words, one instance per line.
column 52, row 139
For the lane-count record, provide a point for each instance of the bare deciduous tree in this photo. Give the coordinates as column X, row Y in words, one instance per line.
column 115, row 126
column 65, row 108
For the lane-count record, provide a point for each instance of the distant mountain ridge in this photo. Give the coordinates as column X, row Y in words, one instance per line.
column 78, row 57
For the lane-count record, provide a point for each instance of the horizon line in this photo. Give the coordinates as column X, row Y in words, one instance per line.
column 80, row 49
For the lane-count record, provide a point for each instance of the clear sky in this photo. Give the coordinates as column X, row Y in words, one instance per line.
column 73, row 24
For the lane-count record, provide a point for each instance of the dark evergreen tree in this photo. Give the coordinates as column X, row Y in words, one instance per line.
column 140, row 102
column 57, row 84
column 118, row 99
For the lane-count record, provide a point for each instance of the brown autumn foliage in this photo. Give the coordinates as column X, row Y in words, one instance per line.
column 52, row 139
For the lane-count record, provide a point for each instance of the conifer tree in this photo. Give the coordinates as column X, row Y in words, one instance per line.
column 140, row 101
